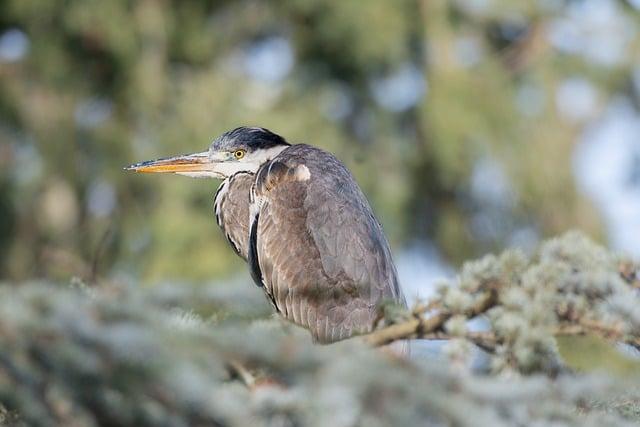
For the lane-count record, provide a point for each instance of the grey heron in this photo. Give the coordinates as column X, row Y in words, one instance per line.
column 297, row 216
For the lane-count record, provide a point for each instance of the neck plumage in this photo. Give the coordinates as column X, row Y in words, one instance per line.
column 231, row 206
column 232, row 200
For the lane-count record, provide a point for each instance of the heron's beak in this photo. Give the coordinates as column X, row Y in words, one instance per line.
column 196, row 165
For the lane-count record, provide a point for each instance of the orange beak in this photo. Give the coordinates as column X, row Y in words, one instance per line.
column 189, row 164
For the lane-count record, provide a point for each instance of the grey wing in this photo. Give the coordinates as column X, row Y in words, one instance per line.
column 319, row 252
column 232, row 211
column 352, row 242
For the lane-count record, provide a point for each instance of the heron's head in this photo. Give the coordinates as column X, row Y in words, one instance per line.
column 243, row 149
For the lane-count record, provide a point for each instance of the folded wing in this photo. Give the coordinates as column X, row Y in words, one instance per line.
column 316, row 246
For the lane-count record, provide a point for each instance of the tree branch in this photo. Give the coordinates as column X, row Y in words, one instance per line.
column 419, row 327
column 487, row 340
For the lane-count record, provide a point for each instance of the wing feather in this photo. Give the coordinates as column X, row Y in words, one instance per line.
column 322, row 255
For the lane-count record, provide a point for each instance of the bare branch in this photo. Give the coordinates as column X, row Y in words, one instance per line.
column 419, row 327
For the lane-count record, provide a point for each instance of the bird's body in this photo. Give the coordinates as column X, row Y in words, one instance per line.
column 297, row 216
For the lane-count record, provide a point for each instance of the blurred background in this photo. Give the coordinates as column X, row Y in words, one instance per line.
column 471, row 125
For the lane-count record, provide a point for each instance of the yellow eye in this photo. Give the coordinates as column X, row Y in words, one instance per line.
column 238, row 154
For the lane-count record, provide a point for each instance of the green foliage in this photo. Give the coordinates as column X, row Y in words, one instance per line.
column 104, row 84
column 125, row 355
column 570, row 286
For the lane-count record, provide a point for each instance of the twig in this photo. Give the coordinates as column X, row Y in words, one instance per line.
column 422, row 308
column 488, row 341
column 419, row 327
column 238, row 370
column 102, row 244
column 629, row 273
column 485, row 340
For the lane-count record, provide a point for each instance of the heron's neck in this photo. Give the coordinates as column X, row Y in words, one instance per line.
column 261, row 157
column 231, row 207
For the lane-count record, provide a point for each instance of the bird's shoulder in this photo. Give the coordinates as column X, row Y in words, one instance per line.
column 309, row 166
